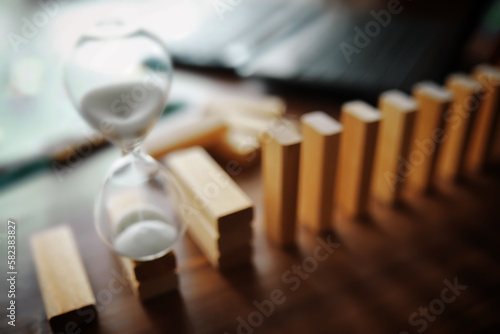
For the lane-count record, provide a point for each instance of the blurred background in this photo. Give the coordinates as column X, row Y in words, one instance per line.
column 313, row 54
column 340, row 49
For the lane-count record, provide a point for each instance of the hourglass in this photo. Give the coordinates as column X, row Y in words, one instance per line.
column 119, row 77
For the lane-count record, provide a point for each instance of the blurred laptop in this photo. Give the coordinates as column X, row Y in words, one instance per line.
column 359, row 47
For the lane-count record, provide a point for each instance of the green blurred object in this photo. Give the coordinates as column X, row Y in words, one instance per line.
column 18, row 171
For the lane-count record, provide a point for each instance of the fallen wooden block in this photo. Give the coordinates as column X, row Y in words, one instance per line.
column 237, row 150
column 151, row 279
column 356, row 155
column 318, row 163
column 433, row 101
column 206, row 132
column 246, row 124
column 64, row 285
column 212, row 190
column 280, row 171
column 217, row 211
column 485, row 140
column 393, row 145
column 262, row 107
column 222, row 251
column 459, row 121
column 247, row 118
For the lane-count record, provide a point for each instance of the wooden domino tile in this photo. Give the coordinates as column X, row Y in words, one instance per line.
column 217, row 211
column 258, row 107
column 459, row 121
column 238, row 150
column 356, row 155
column 222, row 251
column 485, row 140
column 219, row 198
column 206, row 132
column 62, row 278
column 433, row 101
column 280, row 172
column 318, row 162
column 393, row 145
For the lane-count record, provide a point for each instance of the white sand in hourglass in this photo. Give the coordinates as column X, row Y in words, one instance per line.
column 142, row 231
column 124, row 111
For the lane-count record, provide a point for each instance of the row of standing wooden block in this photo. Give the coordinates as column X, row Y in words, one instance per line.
column 440, row 131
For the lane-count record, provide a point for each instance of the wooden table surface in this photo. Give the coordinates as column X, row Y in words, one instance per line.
column 376, row 276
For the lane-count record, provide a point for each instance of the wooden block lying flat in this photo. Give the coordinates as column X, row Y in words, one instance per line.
column 318, row 164
column 209, row 241
column 356, row 155
column 280, row 172
column 145, row 270
column 433, row 101
column 264, row 107
column 246, row 124
column 459, row 121
column 393, row 145
column 152, row 286
column 238, row 150
column 217, row 211
column 483, row 140
column 62, row 278
column 212, row 191
column 206, row 132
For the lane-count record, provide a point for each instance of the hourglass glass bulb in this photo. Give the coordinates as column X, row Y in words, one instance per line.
column 119, row 78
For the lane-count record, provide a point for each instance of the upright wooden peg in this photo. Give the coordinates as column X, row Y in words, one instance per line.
column 433, row 101
column 485, row 142
column 318, row 164
column 280, row 171
column 393, row 145
column 459, row 121
column 357, row 148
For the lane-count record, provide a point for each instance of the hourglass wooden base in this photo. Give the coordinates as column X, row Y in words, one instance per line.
column 150, row 279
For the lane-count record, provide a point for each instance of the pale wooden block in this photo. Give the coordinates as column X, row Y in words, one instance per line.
column 318, row 163
column 356, row 155
column 280, row 169
column 483, row 141
column 210, row 242
column 246, row 124
column 206, row 132
column 62, row 278
column 152, row 286
column 262, row 107
column 433, row 101
column 393, row 145
column 211, row 190
column 238, row 151
column 459, row 122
